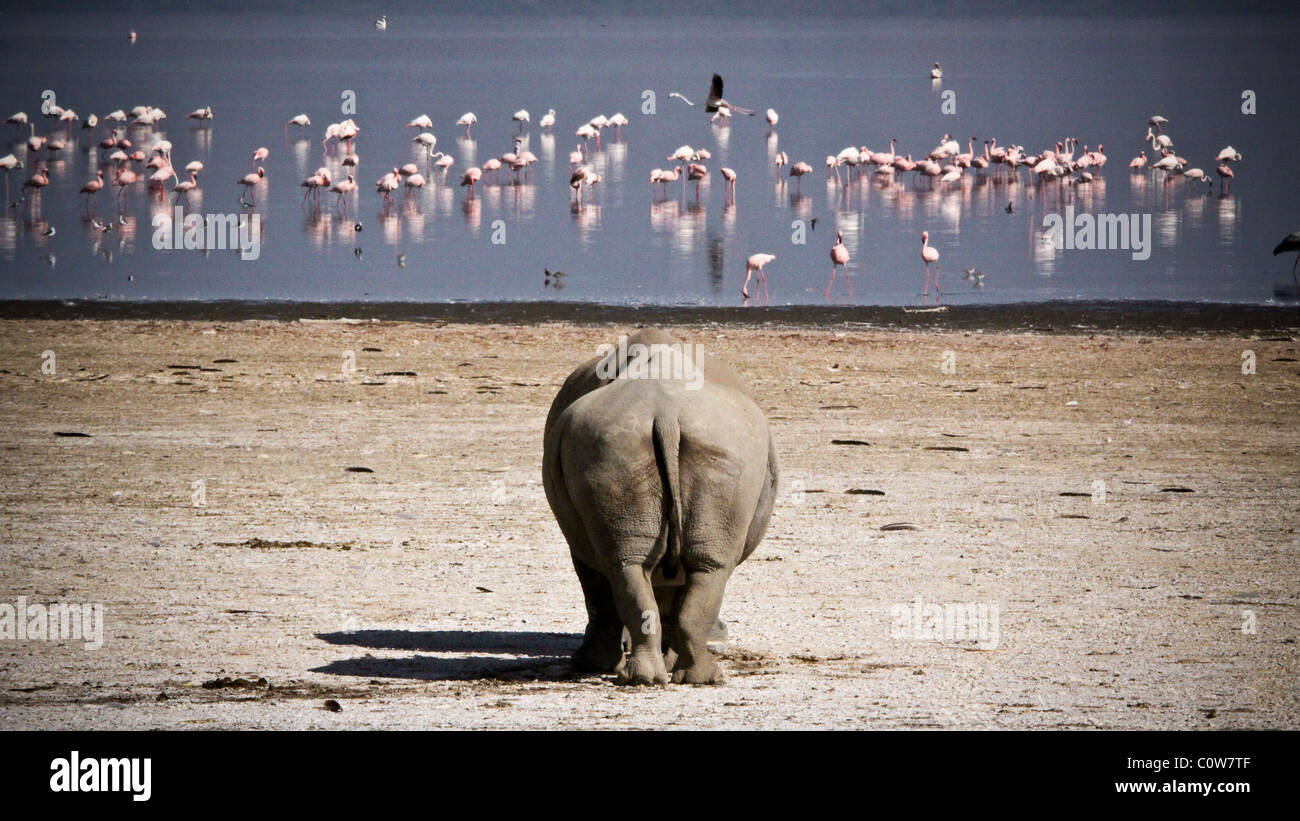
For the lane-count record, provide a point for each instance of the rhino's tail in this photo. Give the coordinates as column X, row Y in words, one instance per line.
column 667, row 442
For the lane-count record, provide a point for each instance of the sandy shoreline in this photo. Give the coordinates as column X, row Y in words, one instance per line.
column 436, row 590
column 1152, row 317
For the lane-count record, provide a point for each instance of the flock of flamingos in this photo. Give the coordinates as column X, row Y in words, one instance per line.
column 132, row 152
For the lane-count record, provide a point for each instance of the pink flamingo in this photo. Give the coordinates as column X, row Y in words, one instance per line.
column 576, row 180
column 124, row 178
column 839, row 256
column 91, row 188
column 929, row 255
column 470, row 178
column 413, row 182
column 249, row 182
column 38, row 180
column 313, row 184
column 183, row 188
column 1139, row 161
column 755, row 265
column 259, row 155
column 730, row 176
column 797, row 171
column 697, row 173
column 1225, row 173
column 343, row 188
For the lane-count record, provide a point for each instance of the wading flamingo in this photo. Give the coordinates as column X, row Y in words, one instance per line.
column 754, row 265
column 929, row 255
column 249, row 183
column 839, row 256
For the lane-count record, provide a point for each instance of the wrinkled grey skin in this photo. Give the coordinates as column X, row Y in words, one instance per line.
column 643, row 474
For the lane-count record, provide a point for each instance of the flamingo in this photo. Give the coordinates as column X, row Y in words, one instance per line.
column 300, row 120
column 17, row 120
column 470, row 178
column 38, row 180
column 586, row 131
column 671, row 175
column 249, row 181
column 444, row 162
column 755, row 265
column 67, row 117
column 203, row 115
column 839, row 256
column 467, row 119
column 259, row 155
column 936, row 73
column 548, row 119
column 1139, row 161
column 1157, row 122
column 1228, row 154
column 387, row 184
column 576, row 180
column 730, row 176
column 313, row 184
column 1226, row 174
column 1291, row 243
column 797, row 171
column 382, row 23
column 618, row 121
column 521, row 117
column 421, row 122
column 413, row 183
column 9, row 162
column 772, row 118
column 123, row 178
column 91, row 188
column 714, row 101
column 697, row 173
column 929, row 255
column 183, row 189
column 343, row 188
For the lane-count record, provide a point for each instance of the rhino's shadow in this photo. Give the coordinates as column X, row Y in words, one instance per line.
column 491, row 654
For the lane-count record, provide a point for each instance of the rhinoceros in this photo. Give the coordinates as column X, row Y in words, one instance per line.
column 661, row 471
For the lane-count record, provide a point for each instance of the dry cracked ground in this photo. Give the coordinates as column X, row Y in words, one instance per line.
column 267, row 533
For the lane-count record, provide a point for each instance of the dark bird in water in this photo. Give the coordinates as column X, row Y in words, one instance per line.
column 1291, row 243
column 1010, row 210
column 812, row 223
column 714, row 101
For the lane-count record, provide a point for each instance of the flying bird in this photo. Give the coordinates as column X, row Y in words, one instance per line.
column 1291, row 243
column 715, row 100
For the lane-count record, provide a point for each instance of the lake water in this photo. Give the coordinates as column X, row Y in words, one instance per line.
column 835, row 83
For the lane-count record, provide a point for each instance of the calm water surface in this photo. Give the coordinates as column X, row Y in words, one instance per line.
column 834, row 83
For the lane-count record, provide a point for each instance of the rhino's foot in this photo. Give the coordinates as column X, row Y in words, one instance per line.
column 643, row 666
column 598, row 656
column 705, row 670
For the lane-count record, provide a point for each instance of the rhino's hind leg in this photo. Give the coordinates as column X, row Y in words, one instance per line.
column 696, row 620
column 639, row 611
column 601, row 649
